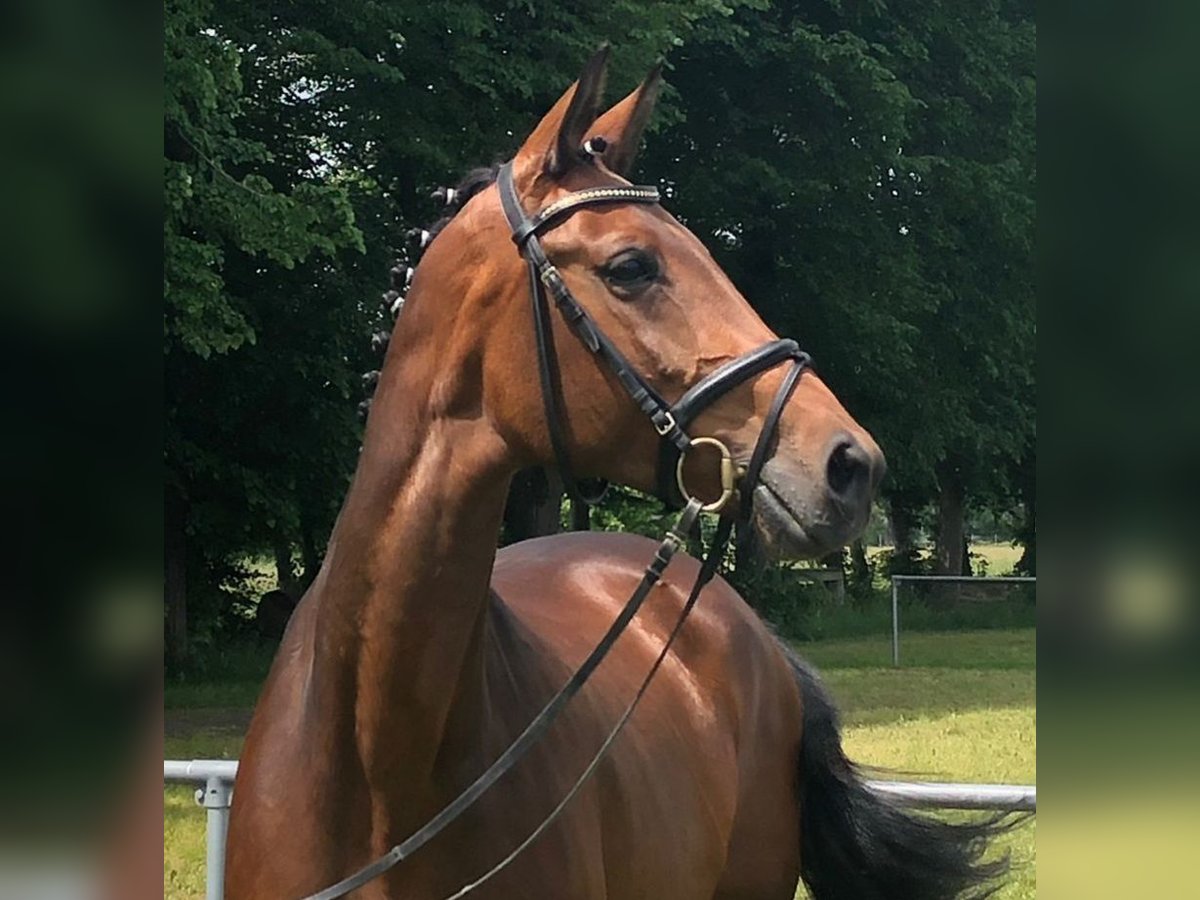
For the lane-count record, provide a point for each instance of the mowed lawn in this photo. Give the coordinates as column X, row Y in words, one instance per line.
column 960, row 709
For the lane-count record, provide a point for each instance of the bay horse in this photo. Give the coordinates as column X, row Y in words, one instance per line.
column 419, row 653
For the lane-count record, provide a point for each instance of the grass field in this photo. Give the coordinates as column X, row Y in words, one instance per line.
column 961, row 709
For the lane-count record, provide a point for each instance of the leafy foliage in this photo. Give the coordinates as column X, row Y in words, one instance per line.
column 877, row 200
column 218, row 201
column 864, row 172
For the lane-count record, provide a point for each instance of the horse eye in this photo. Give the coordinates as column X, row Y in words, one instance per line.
column 631, row 269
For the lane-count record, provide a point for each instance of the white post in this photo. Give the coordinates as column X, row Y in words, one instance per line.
column 215, row 798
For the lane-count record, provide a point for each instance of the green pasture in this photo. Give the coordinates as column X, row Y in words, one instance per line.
column 960, row 709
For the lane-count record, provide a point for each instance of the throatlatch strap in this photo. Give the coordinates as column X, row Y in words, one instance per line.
column 544, row 277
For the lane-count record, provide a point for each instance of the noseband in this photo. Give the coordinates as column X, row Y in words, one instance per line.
column 671, row 422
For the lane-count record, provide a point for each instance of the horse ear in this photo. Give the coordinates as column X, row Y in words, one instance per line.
column 624, row 124
column 558, row 137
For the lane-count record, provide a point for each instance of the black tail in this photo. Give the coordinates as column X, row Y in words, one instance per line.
column 857, row 845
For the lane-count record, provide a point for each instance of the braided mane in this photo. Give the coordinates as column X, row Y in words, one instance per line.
column 400, row 274
column 455, row 199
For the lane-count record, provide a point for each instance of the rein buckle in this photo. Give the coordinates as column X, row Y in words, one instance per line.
column 667, row 426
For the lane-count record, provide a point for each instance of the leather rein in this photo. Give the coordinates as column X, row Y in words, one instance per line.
column 670, row 421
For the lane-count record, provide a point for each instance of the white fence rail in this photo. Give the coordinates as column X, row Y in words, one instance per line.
column 216, row 795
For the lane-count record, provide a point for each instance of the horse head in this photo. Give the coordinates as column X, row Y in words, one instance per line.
column 656, row 295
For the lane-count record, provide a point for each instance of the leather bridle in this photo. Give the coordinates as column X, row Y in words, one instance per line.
column 671, row 422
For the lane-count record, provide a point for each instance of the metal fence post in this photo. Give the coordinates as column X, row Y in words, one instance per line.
column 895, row 621
column 215, row 798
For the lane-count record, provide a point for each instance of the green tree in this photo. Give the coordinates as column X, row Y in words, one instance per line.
column 970, row 212
column 222, row 215
column 302, row 142
column 867, row 176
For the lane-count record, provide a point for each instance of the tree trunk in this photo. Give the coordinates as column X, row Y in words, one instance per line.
column 310, row 556
column 175, row 576
column 750, row 564
column 904, row 526
column 1027, row 533
column 1027, row 564
column 581, row 517
column 951, row 535
column 860, row 569
column 284, row 566
column 834, row 559
column 533, row 507
column 748, row 556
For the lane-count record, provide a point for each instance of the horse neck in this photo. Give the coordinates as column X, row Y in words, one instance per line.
column 404, row 588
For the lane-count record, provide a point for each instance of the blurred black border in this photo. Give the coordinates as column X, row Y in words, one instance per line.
column 1119, row 438
column 81, row 368
column 1119, row 315
column 80, row 350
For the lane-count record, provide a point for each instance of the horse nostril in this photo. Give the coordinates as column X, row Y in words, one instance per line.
column 848, row 469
